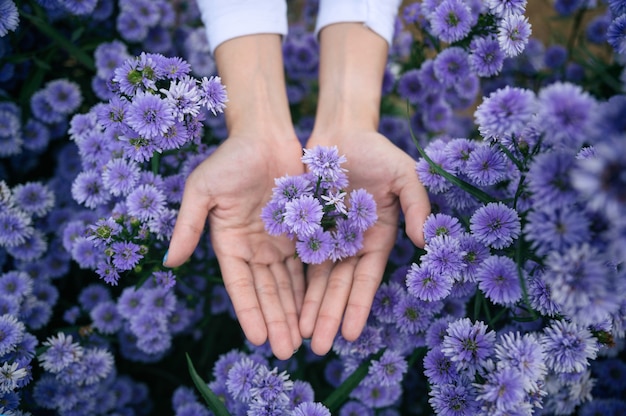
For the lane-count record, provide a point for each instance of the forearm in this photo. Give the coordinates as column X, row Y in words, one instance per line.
column 352, row 64
column 251, row 68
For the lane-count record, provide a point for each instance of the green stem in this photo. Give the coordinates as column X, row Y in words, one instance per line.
column 214, row 402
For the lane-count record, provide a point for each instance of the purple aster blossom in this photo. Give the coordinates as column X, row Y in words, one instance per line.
column 311, row 409
column 106, row 318
column 597, row 28
column 549, row 179
column 436, row 116
column 240, row 379
column 146, row 202
column 387, row 296
column 504, row 388
column 176, row 136
column 615, row 34
column 108, row 272
column 33, row 247
column 413, row 315
column 600, row 178
column 16, row 284
column 525, row 354
column 451, row 65
column 303, row 215
column 85, row 253
column 439, row 369
column 582, row 284
column 126, row 254
column 495, row 225
column 487, row 165
column 556, row 228
column 451, row 21
column 11, row 374
column 43, row 110
column 92, row 295
column 567, row 114
column 437, row 330
column 435, row 183
column 158, row 301
column 469, row 345
column 443, row 257
column 108, row 56
column 362, row 210
column 35, row 135
column 149, row 115
column 213, row 94
column 347, row 240
column 555, row 56
column 273, row 216
column 162, row 226
column 173, row 186
column 513, row 33
column 112, row 114
column 486, row 58
column 325, row 162
column 290, row 187
column 61, row 352
column 79, row 7
column 183, row 97
column 120, row 176
column 301, row 392
column 136, row 73
column 88, row 189
column 11, row 333
column 505, row 113
column 503, row 8
column 130, row 302
column 15, row 227
column 376, row 396
column 33, row 198
column 271, row 386
column 429, row 78
column 389, row 369
column 63, row 95
column 175, row 68
column 568, row 347
column 336, row 201
column 497, row 277
column 540, row 296
column 410, row 86
column 10, row 17
column 97, row 363
column 475, row 253
column 315, row 248
column 454, row 399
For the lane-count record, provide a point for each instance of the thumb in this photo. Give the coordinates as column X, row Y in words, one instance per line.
column 415, row 205
column 190, row 223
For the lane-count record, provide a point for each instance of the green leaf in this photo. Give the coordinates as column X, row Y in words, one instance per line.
column 477, row 193
column 214, row 402
column 341, row 394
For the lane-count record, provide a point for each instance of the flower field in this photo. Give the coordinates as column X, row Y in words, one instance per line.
column 515, row 306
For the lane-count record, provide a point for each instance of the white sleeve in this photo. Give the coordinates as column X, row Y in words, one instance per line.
column 378, row 15
column 227, row 19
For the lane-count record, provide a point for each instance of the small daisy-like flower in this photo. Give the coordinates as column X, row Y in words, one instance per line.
column 457, row 399
column 451, row 21
column 325, row 162
column 497, row 278
column 10, row 17
column 61, row 352
column 273, row 216
column 315, row 248
column 469, row 345
column 487, row 165
column 504, row 388
column 441, row 224
column 311, row 409
column 183, row 97
column 615, row 34
column 34, row 198
column 503, row 8
column 63, row 95
column 525, row 354
column 389, row 369
column 11, row 374
column 106, row 318
column 424, row 283
column 97, row 365
column 444, row 256
column 150, row 115
column 175, row 68
column 347, row 240
column 120, row 176
column 16, row 284
column 15, row 227
column 495, row 225
column 568, row 347
column 486, row 57
column 513, row 33
column 270, row 385
column 451, row 65
column 290, row 187
column 240, row 379
column 145, row 202
column 213, row 94
column 410, row 86
column 303, row 215
column 505, row 112
column 438, row 368
column 125, row 254
column 11, row 333
column 88, row 189
column 362, row 211
column 165, row 279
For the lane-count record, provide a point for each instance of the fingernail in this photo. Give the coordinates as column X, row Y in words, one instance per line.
column 165, row 257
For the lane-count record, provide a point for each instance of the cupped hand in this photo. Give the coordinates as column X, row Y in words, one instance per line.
column 263, row 279
column 341, row 293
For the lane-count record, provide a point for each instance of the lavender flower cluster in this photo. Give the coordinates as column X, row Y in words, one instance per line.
column 514, row 306
column 311, row 208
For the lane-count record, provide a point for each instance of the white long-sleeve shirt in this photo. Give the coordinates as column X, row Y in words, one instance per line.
column 228, row 19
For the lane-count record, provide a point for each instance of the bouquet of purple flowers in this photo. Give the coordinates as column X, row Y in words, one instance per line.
column 312, row 208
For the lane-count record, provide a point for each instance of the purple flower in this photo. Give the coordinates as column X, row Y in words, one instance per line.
column 487, row 165
column 97, row 365
column 508, row 7
column 615, row 34
column 451, row 65
column 61, row 352
column 108, row 56
column 347, row 240
column 443, row 257
column 475, row 253
column 108, row 272
column 525, row 354
column 16, row 284
column 438, row 368
column 495, row 225
column 424, row 283
column 106, row 318
column 362, row 211
column 513, row 33
column 311, row 409
column 325, row 163
column 183, row 97
column 566, row 114
column 454, row 399
column 129, row 302
column 165, row 279
column 149, row 115
column 146, row 202
column 556, row 228
column 63, row 95
column 33, row 198
column 290, row 187
column 468, row 345
column 451, row 21
column 497, row 277
column 89, row 190
column 35, row 135
column 387, row 296
column 15, row 227
column 125, row 254
column 410, row 86
column 568, row 347
column 435, row 183
column 413, row 315
column 389, row 369
column 549, row 179
column 10, row 17
column 93, row 295
column 175, row 68
column 120, row 176
column 11, row 333
column 503, row 388
column 213, row 94
column 240, row 379
column 505, row 113
column 486, row 58
column 303, row 215
column 315, row 248
column 273, row 216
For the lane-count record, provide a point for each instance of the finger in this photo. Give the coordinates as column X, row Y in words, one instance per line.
column 286, row 295
column 415, row 205
column 190, row 222
column 275, row 319
column 239, row 284
column 333, row 306
column 367, row 277
column 296, row 271
column 317, row 278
